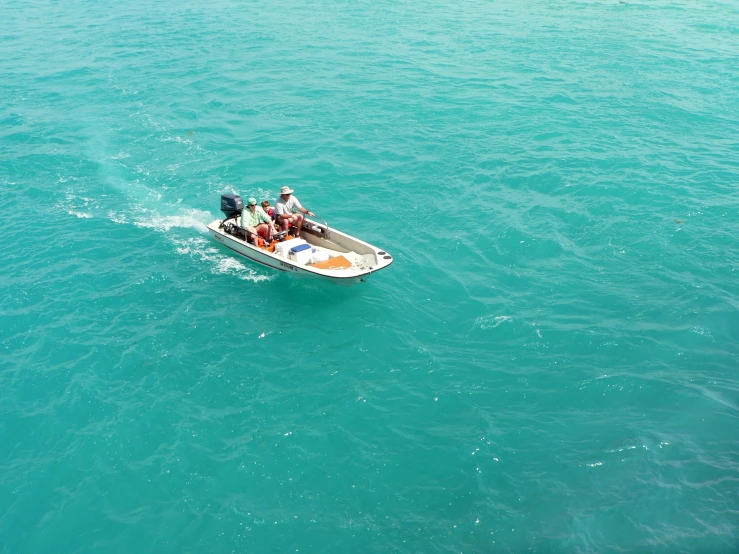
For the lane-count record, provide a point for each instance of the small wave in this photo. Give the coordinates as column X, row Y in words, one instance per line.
column 81, row 215
column 74, row 203
column 492, row 321
column 117, row 218
column 701, row 331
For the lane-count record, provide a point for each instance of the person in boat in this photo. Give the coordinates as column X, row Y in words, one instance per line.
column 257, row 222
column 269, row 210
column 289, row 210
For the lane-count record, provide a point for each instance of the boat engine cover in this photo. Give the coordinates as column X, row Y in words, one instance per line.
column 232, row 205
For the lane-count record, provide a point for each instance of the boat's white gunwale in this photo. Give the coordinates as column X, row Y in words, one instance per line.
column 276, row 262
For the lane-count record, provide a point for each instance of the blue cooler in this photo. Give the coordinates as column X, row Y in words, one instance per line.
column 300, row 254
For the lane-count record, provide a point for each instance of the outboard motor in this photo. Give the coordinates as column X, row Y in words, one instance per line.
column 231, row 205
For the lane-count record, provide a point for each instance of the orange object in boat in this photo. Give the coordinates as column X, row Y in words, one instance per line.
column 339, row 262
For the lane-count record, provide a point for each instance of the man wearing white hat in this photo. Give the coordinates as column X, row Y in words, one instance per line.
column 289, row 210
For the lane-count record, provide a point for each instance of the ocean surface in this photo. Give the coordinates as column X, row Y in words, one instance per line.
column 550, row 365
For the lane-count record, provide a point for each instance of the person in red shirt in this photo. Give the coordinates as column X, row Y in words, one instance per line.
column 270, row 211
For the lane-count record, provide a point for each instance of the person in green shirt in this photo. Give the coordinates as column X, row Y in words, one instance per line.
column 256, row 222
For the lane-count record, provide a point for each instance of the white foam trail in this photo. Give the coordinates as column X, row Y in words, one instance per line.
column 144, row 203
column 204, row 250
column 189, row 219
column 199, row 248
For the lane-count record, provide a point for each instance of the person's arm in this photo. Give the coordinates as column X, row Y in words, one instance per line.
column 301, row 209
column 264, row 218
column 271, row 220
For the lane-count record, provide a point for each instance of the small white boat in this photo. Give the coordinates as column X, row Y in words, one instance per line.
column 321, row 252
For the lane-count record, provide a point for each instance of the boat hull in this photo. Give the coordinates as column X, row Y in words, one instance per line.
column 266, row 258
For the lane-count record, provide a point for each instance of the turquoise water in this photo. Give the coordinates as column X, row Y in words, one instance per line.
column 550, row 365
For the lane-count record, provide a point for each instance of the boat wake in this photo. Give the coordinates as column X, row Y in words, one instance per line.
column 138, row 191
column 203, row 250
column 188, row 219
column 200, row 249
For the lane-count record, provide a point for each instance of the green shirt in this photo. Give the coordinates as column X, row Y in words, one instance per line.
column 249, row 219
